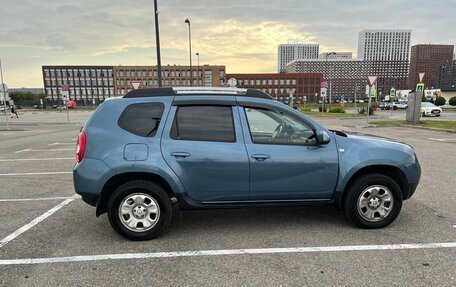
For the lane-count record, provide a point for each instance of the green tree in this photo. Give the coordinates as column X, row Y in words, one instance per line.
column 452, row 101
column 440, row 101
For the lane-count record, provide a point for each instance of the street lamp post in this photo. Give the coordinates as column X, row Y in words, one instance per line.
column 327, row 78
column 190, row 50
column 198, row 70
column 157, row 41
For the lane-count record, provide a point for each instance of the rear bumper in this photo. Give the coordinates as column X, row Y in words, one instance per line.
column 89, row 177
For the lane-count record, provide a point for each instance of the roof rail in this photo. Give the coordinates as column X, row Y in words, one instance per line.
column 183, row 91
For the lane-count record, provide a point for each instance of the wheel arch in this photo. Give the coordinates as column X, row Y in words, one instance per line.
column 393, row 172
column 119, row 179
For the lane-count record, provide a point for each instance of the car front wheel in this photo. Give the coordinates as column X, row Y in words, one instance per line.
column 373, row 201
column 140, row 210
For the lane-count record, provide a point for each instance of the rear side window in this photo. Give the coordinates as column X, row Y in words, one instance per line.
column 141, row 119
column 204, row 123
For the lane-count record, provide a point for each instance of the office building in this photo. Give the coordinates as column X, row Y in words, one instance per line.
column 304, row 87
column 384, row 45
column 447, row 77
column 290, row 52
column 427, row 59
column 93, row 84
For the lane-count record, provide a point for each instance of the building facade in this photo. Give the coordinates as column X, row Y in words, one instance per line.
column 290, row 52
column 93, row 84
column 384, row 45
column 337, row 55
column 304, row 87
column 428, row 58
column 87, row 84
column 447, row 77
column 172, row 76
column 349, row 76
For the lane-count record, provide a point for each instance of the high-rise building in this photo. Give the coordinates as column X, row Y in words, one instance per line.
column 305, row 87
column 384, row 44
column 447, row 76
column 290, row 52
column 336, row 55
column 427, row 59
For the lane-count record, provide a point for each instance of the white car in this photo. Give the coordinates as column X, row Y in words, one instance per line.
column 399, row 105
column 428, row 109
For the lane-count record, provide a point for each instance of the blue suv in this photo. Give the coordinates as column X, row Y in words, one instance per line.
column 200, row 148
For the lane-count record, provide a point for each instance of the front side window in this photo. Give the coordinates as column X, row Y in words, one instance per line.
column 203, row 123
column 272, row 127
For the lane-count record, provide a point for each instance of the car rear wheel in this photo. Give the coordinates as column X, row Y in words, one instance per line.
column 373, row 201
column 140, row 210
column 423, row 114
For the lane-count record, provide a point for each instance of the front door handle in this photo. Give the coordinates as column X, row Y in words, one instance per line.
column 180, row 154
column 260, row 157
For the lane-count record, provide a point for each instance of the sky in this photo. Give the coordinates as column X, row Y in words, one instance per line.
column 241, row 34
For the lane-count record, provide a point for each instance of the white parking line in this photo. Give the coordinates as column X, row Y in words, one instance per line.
column 124, row 256
column 36, row 173
column 37, row 159
column 57, row 149
column 35, row 199
column 35, row 221
column 53, row 144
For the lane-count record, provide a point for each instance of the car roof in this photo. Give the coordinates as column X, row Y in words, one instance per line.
column 196, row 91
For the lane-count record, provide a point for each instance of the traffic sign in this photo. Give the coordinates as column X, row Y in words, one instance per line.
column 421, row 76
column 420, row 87
column 323, row 92
column 232, row 82
column 324, row 85
column 65, row 92
column 135, row 84
column 372, row 79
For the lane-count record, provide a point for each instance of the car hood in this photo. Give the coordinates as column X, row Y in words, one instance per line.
column 371, row 140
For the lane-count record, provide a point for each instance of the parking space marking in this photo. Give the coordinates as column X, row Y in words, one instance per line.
column 37, row 159
column 35, row 221
column 36, row 199
column 53, row 144
column 36, row 173
column 29, row 149
column 348, row 248
column 442, row 140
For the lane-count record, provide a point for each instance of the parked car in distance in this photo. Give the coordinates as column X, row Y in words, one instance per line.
column 399, row 105
column 209, row 148
column 429, row 109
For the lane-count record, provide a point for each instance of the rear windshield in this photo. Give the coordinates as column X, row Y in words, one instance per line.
column 141, row 119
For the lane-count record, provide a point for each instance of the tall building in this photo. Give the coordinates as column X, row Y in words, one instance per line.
column 447, row 76
column 305, row 87
column 347, row 74
column 427, row 58
column 290, row 52
column 89, row 84
column 337, row 55
column 384, row 45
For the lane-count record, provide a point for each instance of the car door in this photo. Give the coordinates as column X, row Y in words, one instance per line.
column 203, row 145
column 286, row 163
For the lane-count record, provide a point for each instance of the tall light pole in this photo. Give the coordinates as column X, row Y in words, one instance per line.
column 198, row 70
column 327, row 78
column 190, row 50
column 157, row 41
column 4, row 94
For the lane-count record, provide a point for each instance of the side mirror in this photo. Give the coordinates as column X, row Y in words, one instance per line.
column 323, row 137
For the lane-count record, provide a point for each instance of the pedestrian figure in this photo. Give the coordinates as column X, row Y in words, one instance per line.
column 14, row 112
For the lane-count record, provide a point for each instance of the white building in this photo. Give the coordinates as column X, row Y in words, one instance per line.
column 337, row 55
column 290, row 52
column 384, row 44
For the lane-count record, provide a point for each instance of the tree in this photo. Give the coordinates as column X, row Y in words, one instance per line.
column 440, row 101
column 452, row 101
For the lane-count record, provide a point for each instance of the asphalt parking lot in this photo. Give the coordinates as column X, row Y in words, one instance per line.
column 49, row 237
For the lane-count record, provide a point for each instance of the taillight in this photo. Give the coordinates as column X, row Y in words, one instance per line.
column 81, row 145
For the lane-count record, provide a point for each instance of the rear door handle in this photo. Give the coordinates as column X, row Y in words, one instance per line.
column 180, row 154
column 260, row 157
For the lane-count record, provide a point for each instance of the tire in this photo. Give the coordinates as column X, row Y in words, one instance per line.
column 423, row 114
column 375, row 189
column 146, row 211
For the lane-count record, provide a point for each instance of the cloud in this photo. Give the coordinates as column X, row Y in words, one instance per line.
column 243, row 35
